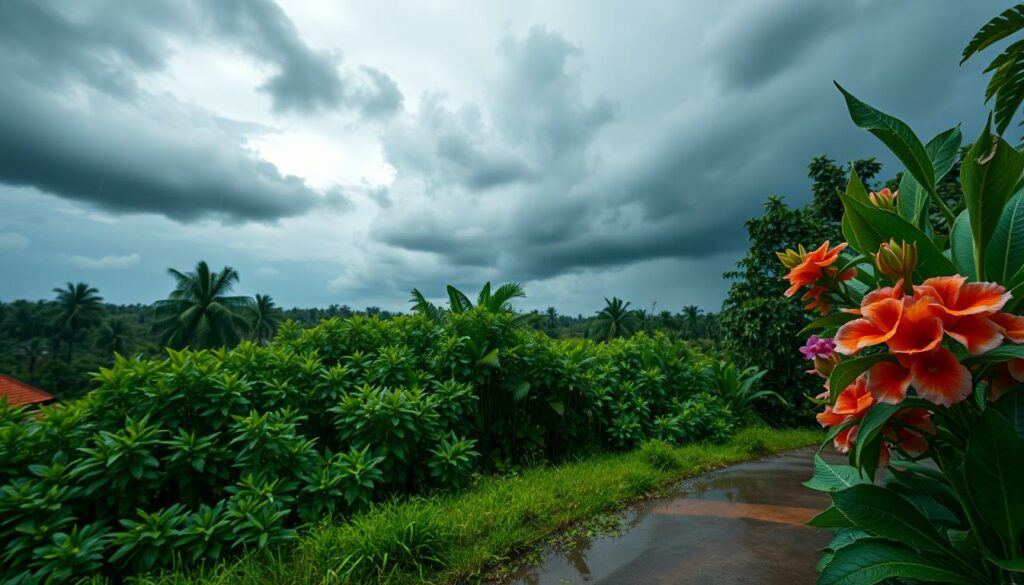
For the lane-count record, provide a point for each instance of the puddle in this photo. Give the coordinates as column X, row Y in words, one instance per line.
column 742, row 524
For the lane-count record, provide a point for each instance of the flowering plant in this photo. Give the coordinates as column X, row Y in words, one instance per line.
column 918, row 346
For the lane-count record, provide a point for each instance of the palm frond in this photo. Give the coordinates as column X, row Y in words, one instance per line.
column 995, row 30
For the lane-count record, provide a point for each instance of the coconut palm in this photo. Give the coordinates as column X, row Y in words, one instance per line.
column 114, row 336
column 200, row 312
column 552, row 314
column 691, row 316
column 264, row 318
column 77, row 306
column 614, row 320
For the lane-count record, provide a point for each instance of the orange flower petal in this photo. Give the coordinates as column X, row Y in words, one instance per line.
column 978, row 334
column 916, row 336
column 980, row 297
column 940, row 378
column 888, row 382
column 845, row 439
column 855, row 399
column 943, row 289
column 1012, row 326
column 1016, row 368
column 829, row 418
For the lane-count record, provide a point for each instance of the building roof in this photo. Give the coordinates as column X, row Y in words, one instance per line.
column 17, row 392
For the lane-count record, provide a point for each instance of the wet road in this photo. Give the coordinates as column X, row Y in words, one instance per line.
column 742, row 524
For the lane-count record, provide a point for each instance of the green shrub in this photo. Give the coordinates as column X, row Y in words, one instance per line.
column 210, row 453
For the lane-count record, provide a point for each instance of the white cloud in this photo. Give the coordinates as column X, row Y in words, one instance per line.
column 266, row 271
column 108, row 262
column 13, row 242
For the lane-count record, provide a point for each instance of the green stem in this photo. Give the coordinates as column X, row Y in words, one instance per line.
column 943, row 208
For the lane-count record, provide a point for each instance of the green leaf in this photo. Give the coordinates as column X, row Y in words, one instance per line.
column 888, row 515
column 847, row 371
column 998, row 355
column 557, row 406
column 830, row 518
column 832, row 478
column 943, row 150
column 520, row 389
column 988, row 175
column 867, row 449
column 961, row 244
column 994, row 472
column 833, row 320
column 1004, row 257
column 1011, row 405
column 1008, row 22
column 869, row 562
column 913, row 200
column 867, row 227
column 896, row 135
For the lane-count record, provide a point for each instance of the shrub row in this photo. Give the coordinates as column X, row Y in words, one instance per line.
column 187, row 459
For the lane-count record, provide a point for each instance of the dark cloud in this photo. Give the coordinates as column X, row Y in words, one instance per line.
column 77, row 122
column 755, row 42
column 306, row 80
column 751, row 119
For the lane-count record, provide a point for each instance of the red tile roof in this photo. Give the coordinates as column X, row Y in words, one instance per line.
column 17, row 392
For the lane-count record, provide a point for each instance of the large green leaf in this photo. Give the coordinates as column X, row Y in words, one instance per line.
column 1012, row 407
column 1004, row 257
column 896, row 135
column 1008, row 22
column 833, row 478
column 847, row 371
column 988, row 175
column 830, row 518
column 912, row 203
column 943, row 150
column 994, row 470
column 888, row 515
column 961, row 244
column 867, row 449
column 868, row 562
column 867, row 227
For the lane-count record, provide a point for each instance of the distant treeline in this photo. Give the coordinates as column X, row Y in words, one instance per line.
column 57, row 344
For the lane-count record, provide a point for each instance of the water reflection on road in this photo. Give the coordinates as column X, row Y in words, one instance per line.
column 743, row 524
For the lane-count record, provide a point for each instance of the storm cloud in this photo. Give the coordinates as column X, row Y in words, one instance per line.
column 79, row 121
column 345, row 153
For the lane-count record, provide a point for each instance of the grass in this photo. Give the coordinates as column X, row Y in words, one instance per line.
column 475, row 534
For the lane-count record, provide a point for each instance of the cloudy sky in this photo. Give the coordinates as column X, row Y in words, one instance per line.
column 345, row 152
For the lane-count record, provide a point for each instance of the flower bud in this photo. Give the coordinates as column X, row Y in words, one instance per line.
column 791, row 258
column 897, row 261
column 884, row 199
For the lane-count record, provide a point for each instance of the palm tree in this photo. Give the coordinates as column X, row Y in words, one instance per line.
column 78, row 305
column 114, row 336
column 614, row 320
column 32, row 351
column 691, row 315
column 458, row 302
column 552, row 314
column 666, row 319
column 264, row 318
column 200, row 312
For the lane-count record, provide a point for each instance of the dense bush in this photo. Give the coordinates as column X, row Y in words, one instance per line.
column 188, row 459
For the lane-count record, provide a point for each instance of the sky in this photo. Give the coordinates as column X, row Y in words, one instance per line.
column 345, row 152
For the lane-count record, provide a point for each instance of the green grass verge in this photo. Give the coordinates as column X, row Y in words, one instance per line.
column 463, row 537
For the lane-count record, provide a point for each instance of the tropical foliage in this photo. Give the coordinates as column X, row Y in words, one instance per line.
column 919, row 344
column 206, row 453
column 200, row 312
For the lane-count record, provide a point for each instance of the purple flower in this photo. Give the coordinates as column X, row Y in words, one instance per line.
column 818, row 347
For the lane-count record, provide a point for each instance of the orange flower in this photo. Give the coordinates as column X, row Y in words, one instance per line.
column 1005, row 377
column 907, row 430
column 936, row 375
column 811, row 265
column 852, row 403
column 955, row 297
column 1012, row 326
column 877, row 325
